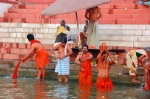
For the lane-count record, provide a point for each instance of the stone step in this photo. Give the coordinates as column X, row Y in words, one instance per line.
column 117, row 73
column 4, row 66
column 127, row 78
column 6, row 62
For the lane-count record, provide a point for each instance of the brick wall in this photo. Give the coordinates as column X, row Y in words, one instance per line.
column 114, row 12
column 13, row 37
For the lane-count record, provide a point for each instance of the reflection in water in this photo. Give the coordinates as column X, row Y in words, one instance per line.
column 35, row 89
column 40, row 89
column 84, row 91
column 61, row 91
column 14, row 82
column 101, row 94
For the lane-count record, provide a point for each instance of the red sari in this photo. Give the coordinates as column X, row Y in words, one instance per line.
column 85, row 74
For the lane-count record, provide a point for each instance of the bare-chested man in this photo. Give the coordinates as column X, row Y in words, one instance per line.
column 103, row 66
column 42, row 56
column 63, row 63
column 93, row 15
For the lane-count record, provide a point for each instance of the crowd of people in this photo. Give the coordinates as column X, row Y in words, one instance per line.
column 88, row 37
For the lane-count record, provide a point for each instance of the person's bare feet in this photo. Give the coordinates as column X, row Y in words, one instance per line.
column 145, row 87
column 59, row 79
column 135, row 81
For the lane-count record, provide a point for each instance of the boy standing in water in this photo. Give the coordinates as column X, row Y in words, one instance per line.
column 103, row 65
column 42, row 57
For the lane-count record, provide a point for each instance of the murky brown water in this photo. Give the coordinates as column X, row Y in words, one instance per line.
column 26, row 88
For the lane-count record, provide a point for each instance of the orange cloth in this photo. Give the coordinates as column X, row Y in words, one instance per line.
column 42, row 58
column 147, row 87
column 92, row 47
column 104, row 84
column 149, row 84
column 85, row 75
column 84, row 91
column 34, row 41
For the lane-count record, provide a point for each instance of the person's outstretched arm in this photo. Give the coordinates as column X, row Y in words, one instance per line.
column 31, row 53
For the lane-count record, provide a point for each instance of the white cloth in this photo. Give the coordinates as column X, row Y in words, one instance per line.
column 56, row 43
column 63, row 65
column 68, row 34
column 92, row 34
column 132, row 60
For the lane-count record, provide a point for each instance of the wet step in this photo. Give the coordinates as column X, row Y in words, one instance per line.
column 117, row 72
column 3, row 66
column 140, row 71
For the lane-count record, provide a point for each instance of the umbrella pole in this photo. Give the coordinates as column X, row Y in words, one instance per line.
column 79, row 43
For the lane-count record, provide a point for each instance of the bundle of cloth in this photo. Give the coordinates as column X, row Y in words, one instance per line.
column 146, row 2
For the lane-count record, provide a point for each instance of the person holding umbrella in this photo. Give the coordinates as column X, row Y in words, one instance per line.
column 93, row 15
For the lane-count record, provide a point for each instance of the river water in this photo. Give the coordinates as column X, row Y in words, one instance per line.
column 30, row 88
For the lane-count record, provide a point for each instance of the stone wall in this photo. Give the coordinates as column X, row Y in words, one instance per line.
column 13, row 37
column 112, row 35
column 125, row 35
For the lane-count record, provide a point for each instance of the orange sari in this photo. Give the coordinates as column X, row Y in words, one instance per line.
column 104, row 84
column 42, row 57
column 85, row 75
column 84, row 91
